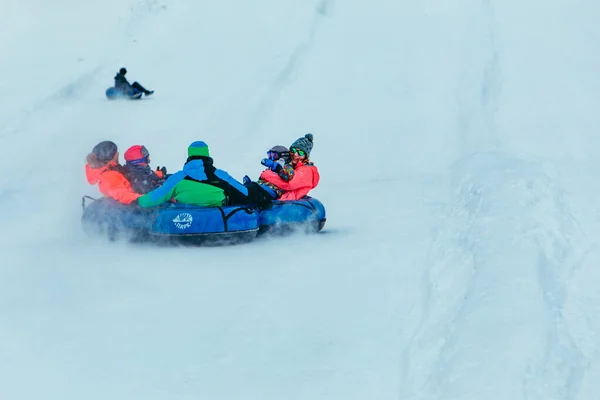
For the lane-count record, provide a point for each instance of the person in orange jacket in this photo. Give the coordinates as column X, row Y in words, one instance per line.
column 103, row 168
column 305, row 177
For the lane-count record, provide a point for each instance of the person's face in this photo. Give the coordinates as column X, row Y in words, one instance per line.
column 297, row 155
column 115, row 157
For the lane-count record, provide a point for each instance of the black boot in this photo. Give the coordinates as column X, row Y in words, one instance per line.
column 139, row 87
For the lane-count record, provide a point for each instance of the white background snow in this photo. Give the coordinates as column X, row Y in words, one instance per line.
column 457, row 144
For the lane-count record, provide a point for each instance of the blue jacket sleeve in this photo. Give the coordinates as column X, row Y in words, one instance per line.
column 231, row 181
column 163, row 193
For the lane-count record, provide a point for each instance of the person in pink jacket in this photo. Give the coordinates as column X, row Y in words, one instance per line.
column 305, row 177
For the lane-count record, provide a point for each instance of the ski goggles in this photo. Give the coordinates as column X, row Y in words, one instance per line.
column 298, row 151
column 276, row 155
column 144, row 159
column 273, row 155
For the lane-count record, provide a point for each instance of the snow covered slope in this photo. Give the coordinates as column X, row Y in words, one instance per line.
column 456, row 144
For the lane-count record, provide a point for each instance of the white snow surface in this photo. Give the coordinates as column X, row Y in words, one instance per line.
column 457, row 144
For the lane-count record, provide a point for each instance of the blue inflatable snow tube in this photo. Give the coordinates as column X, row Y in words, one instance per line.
column 112, row 93
column 182, row 220
column 193, row 224
column 172, row 223
column 307, row 214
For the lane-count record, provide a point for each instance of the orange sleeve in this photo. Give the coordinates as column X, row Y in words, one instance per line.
column 113, row 184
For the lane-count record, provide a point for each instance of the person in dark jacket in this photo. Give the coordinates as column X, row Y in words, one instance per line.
column 138, row 172
column 200, row 183
column 123, row 85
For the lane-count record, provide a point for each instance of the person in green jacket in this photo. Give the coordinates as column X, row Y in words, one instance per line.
column 200, row 183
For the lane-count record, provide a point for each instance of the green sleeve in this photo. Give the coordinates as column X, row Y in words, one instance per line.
column 161, row 194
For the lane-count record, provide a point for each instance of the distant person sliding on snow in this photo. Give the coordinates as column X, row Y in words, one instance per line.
column 126, row 88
